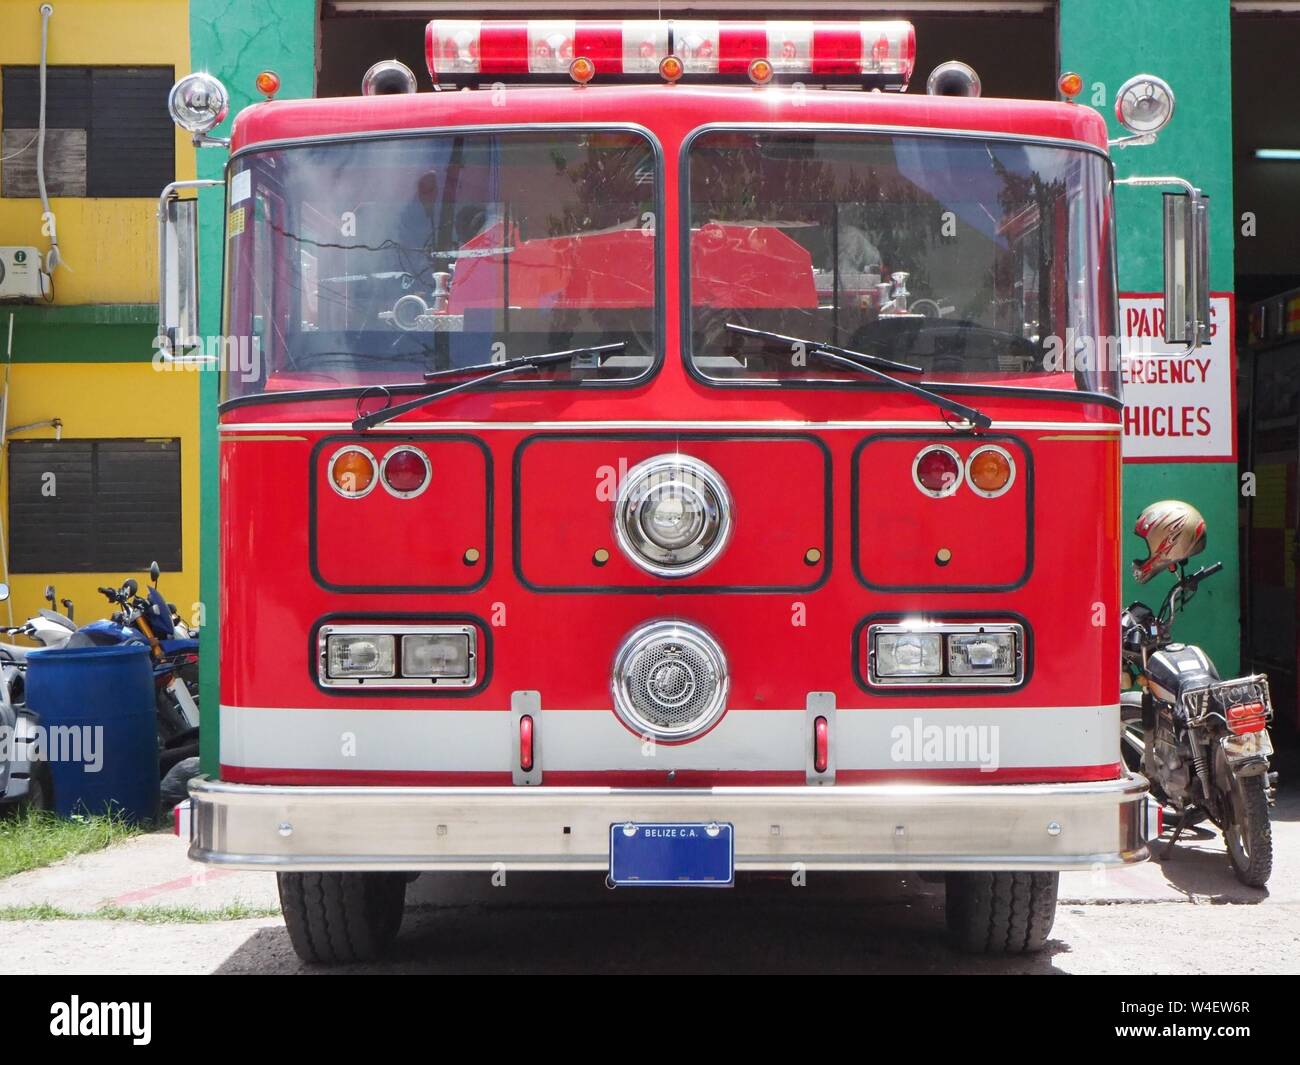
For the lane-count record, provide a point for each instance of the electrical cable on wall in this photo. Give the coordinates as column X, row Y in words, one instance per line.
column 53, row 258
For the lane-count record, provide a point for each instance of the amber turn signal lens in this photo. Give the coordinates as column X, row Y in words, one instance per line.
column 989, row 470
column 1070, row 84
column 582, row 70
column 268, row 83
column 761, row 71
column 352, row 472
column 671, row 68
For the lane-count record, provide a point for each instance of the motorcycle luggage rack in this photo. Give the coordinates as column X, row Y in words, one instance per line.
column 1214, row 700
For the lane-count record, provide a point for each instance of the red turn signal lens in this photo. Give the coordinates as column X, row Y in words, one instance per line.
column 937, row 471
column 405, row 472
column 526, row 744
column 821, row 745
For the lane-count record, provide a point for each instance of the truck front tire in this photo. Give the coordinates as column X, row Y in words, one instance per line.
column 1001, row 913
column 337, row 918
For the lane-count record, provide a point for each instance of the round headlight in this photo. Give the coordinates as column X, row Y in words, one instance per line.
column 1144, row 103
column 198, row 103
column 673, row 515
column 670, row 681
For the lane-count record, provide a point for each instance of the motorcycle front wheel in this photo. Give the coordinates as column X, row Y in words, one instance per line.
column 1248, row 834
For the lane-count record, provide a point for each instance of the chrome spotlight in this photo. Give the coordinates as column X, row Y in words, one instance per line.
column 198, row 103
column 1144, row 104
column 673, row 515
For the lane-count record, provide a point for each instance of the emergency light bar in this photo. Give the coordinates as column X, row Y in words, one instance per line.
column 879, row 55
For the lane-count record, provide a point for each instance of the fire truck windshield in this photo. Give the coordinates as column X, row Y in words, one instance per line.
column 363, row 262
column 981, row 262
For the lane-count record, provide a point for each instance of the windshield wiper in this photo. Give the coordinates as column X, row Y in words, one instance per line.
column 975, row 417
column 860, row 356
column 479, row 374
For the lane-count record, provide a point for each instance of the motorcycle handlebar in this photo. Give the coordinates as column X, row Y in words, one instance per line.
column 1203, row 572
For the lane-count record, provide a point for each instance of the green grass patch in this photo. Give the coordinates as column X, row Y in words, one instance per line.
column 232, row 911
column 31, row 838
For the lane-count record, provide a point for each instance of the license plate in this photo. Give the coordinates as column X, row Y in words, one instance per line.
column 656, row 854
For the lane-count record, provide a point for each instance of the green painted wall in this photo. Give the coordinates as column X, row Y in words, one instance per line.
column 233, row 39
column 1186, row 42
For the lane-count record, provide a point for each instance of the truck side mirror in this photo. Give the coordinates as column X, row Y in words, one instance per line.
column 1187, row 268
column 178, row 272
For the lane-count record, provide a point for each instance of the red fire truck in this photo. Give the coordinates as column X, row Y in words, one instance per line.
column 674, row 453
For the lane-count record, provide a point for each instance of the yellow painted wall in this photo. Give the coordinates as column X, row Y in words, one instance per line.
column 125, row 399
column 110, row 244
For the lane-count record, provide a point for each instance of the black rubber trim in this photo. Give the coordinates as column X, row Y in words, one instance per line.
column 1025, row 466
column 369, row 440
column 667, row 586
column 485, row 655
column 684, row 267
column 858, row 651
column 660, row 317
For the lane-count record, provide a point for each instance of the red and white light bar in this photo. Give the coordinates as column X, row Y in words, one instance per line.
column 874, row 54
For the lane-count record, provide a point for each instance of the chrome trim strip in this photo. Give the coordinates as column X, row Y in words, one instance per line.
column 432, row 685
column 616, row 425
column 944, row 677
column 836, row 827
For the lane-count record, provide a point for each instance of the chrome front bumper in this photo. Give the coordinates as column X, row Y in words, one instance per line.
column 838, row 827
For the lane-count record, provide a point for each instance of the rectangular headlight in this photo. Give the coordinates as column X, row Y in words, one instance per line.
column 985, row 654
column 909, row 654
column 435, row 655
column 917, row 652
column 376, row 654
column 360, row 655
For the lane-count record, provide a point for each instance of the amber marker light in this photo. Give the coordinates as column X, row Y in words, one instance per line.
column 268, row 83
column 990, row 471
column 1070, row 84
column 761, row 71
column 582, row 70
column 352, row 472
column 671, row 68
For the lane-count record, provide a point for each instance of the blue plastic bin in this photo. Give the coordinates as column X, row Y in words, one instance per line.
column 96, row 707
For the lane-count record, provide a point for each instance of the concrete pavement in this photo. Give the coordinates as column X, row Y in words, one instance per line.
column 1185, row 915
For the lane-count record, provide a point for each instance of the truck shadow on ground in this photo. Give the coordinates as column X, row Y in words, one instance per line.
column 569, row 923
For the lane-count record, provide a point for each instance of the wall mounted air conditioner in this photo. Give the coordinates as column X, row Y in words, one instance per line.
column 21, row 276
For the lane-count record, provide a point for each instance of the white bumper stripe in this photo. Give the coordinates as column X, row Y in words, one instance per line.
column 591, row 740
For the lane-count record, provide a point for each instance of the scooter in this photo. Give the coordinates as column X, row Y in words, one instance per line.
column 1202, row 742
column 24, row 781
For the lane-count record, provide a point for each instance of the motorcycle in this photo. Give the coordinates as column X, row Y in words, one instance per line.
column 150, row 619
column 1202, row 742
column 24, row 781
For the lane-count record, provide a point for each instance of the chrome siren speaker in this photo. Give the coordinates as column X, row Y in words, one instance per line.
column 673, row 515
column 670, row 681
